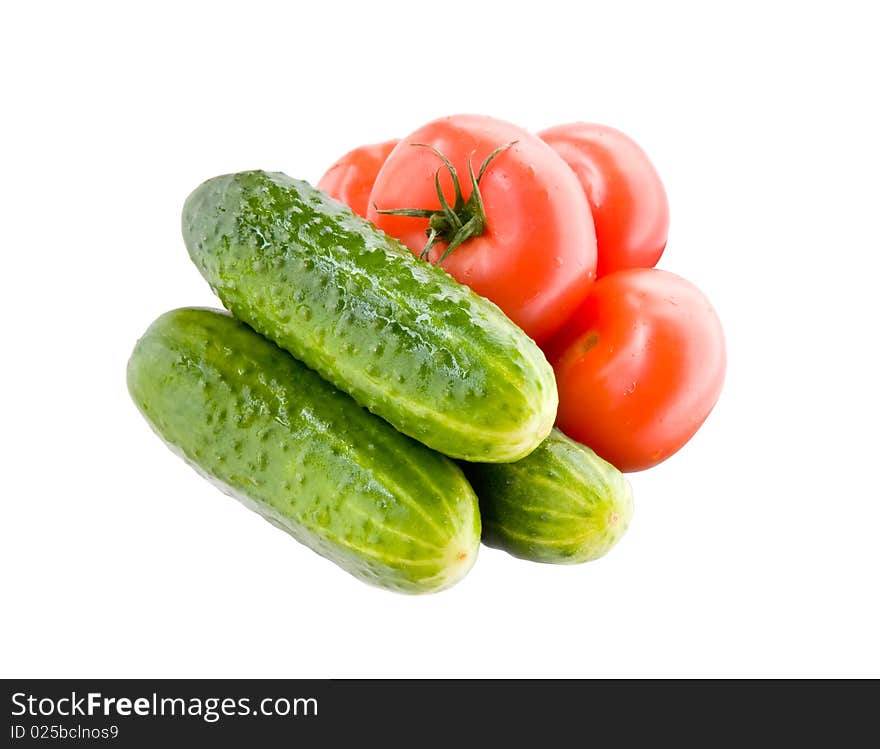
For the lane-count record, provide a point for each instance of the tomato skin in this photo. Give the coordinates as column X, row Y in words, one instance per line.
column 639, row 367
column 627, row 198
column 537, row 257
column 350, row 179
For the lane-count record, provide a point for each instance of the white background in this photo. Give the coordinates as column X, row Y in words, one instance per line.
column 753, row 552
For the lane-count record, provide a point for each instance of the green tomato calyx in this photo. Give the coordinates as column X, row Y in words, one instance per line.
column 456, row 223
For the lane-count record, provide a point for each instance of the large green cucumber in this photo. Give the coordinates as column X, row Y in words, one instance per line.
column 402, row 337
column 305, row 456
column 561, row 504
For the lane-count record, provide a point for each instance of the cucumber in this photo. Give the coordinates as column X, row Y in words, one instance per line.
column 561, row 504
column 305, row 456
column 401, row 336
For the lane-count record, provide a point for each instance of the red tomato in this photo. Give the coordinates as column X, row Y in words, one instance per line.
column 529, row 246
column 639, row 367
column 351, row 178
column 626, row 195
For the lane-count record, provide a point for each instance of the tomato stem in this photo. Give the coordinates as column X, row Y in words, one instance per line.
column 457, row 223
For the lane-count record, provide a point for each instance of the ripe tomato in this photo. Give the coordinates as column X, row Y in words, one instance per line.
column 626, row 195
column 351, row 178
column 524, row 238
column 639, row 367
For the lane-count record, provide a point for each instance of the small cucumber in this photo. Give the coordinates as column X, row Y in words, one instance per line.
column 561, row 504
column 289, row 445
column 399, row 335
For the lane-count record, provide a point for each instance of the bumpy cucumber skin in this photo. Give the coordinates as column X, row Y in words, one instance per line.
column 402, row 337
column 289, row 445
column 562, row 504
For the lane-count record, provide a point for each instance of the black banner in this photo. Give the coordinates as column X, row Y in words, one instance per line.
column 390, row 713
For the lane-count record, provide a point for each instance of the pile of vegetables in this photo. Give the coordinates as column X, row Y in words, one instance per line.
column 403, row 338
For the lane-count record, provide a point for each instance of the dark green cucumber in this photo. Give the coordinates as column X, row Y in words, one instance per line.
column 561, row 504
column 402, row 337
column 304, row 455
